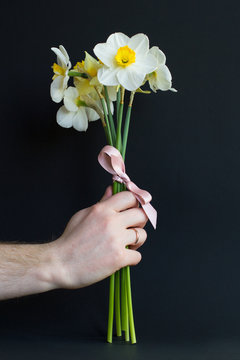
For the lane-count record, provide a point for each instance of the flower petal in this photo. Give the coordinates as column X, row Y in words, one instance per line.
column 91, row 65
column 117, row 40
column 61, row 60
column 64, row 117
column 91, row 114
column 105, row 53
column 57, row 89
column 108, row 76
column 164, row 73
column 80, row 120
column 162, row 80
column 70, row 96
column 146, row 64
column 159, row 55
column 130, row 79
column 112, row 92
column 139, row 43
column 64, row 52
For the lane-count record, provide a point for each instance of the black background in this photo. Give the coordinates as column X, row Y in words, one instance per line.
column 183, row 148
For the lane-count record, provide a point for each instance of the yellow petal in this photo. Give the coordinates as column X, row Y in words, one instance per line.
column 91, row 65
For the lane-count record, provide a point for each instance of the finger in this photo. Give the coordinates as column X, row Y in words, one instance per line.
column 107, row 194
column 134, row 217
column 132, row 257
column 140, row 235
column 122, row 201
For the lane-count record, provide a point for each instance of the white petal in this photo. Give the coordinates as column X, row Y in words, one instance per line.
column 61, row 60
column 70, row 96
column 130, row 79
column 105, row 53
column 80, row 120
column 146, row 64
column 164, row 72
column 107, row 76
column 91, row 114
column 111, row 107
column 139, row 43
column 159, row 55
column 64, row 117
column 64, row 52
column 112, row 92
column 57, row 89
column 117, row 40
column 163, row 81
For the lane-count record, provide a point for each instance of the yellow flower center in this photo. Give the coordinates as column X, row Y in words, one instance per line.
column 79, row 65
column 58, row 70
column 125, row 56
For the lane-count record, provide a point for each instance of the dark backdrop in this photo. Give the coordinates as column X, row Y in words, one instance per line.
column 183, row 148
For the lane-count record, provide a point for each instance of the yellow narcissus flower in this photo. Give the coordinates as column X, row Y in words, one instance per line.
column 60, row 78
column 126, row 60
column 90, row 66
column 161, row 78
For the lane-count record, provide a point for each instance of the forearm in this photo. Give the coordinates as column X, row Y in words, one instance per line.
column 25, row 269
column 96, row 242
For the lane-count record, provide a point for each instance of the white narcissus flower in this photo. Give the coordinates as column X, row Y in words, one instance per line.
column 60, row 78
column 161, row 78
column 74, row 112
column 127, row 60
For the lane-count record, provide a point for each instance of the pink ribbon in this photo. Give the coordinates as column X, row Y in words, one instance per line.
column 111, row 160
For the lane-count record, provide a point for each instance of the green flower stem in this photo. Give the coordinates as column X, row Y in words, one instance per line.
column 123, row 297
column 119, row 120
column 76, row 73
column 110, row 140
column 124, row 304
column 128, row 297
column 112, row 126
column 111, row 309
column 126, row 125
column 107, row 127
column 127, row 338
column 117, row 303
column 118, row 100
column 117, row 188
column 130, row 309
column 111, row 291
column 117, row 292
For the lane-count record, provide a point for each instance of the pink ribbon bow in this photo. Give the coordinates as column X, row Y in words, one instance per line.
column 111, row 160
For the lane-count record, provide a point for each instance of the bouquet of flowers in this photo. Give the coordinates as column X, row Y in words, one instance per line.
column 123, row 63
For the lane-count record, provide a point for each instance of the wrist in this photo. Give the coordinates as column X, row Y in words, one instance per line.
column 48, row 267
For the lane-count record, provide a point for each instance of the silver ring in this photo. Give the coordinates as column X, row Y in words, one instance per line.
column 137, row 236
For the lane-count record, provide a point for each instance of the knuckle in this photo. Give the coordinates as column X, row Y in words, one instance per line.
column 97, row 208
column 128, row 196
column 144, row 234
column 144, row 214
column 138, row 257
column 107, row 226
column 117, row 255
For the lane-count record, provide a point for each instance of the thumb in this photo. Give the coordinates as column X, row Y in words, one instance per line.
column 107, row 194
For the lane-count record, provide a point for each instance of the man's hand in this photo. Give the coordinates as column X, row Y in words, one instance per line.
column 92, row 247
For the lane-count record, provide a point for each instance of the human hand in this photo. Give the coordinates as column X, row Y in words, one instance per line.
column 93, row 245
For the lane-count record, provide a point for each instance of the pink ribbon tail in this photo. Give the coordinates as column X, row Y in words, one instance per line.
column 111, row 160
